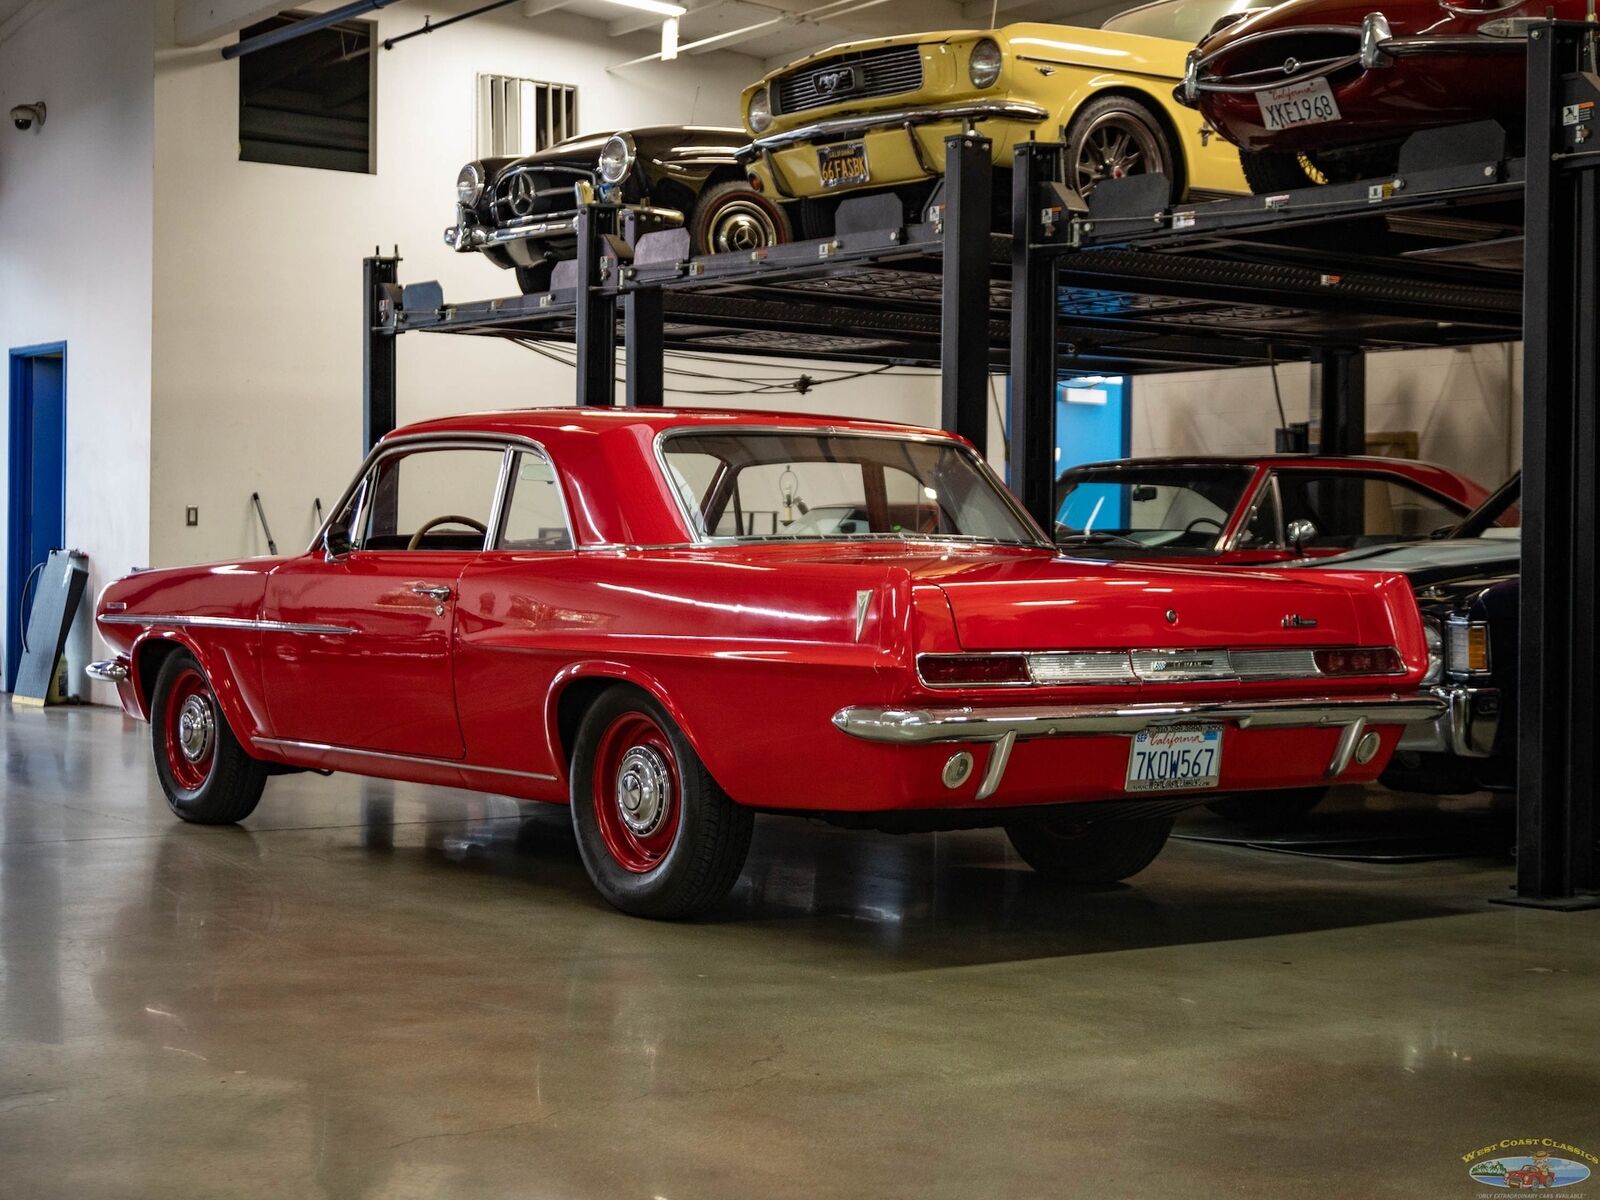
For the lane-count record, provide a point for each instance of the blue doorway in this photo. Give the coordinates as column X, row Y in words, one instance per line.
column 1094, row 422
column 36, row 503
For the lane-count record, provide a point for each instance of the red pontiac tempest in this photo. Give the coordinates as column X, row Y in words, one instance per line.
column 1338, row 86
column 671, row 621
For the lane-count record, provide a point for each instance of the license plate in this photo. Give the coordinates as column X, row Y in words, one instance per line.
column 1170, row 760
column 843, row 165
column 1309, row 102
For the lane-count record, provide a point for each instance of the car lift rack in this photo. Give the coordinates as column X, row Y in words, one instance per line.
column 1463, row 245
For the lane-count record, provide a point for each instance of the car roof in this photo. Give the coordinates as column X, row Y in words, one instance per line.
column 567, row 419
column 1337, row 462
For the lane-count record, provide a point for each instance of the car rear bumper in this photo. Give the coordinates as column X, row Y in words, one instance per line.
column 1005, row 726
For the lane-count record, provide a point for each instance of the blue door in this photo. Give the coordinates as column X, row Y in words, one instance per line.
column 37, row 501
column 1094, row 423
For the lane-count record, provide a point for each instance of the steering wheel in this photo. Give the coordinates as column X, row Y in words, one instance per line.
column 451, row 519
column 1189, row 528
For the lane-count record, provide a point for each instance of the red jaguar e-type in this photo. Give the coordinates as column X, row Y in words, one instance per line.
column 1313, row 90
column 671, row 621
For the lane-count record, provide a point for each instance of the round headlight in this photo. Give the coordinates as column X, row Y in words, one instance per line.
column 983, row 66
column 760, row 112
column 616, row 158
column 1435, row 638
column 469, row 184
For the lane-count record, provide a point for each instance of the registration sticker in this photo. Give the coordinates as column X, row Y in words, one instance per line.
column 1309, row 102
column 1170, row 760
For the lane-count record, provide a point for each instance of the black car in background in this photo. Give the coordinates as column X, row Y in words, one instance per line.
column 1467, row 582
column 521, row 213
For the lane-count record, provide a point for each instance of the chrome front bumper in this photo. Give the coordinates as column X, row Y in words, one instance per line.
column 1004, row 726
column 897, row 118
column 107, row 670
column 465, row 238
column 1378, row 47
column 1467, row 726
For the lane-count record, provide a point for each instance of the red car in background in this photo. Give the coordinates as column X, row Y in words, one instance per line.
column 1315, row 90
column 670, row 621
column 1251, row 511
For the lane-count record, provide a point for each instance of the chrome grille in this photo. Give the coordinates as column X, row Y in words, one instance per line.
column 528, row 193
column 873, row 73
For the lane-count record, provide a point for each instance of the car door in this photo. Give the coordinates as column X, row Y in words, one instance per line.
column 359, row 646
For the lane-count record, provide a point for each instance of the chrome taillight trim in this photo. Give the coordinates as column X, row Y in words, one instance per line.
column 1088, row 668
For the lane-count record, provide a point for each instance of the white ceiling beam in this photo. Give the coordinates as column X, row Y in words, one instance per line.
column 196, row 22
column 537, row 8
column 633, row 23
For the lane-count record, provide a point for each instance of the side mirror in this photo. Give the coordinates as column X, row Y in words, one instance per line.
column 1301, row 532
column 336, row 542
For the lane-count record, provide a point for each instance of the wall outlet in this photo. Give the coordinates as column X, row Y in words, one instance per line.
column 191, row 515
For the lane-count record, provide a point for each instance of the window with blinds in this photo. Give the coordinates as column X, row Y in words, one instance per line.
column 520, row 116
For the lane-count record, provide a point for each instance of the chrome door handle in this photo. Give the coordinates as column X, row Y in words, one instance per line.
column 436, row 592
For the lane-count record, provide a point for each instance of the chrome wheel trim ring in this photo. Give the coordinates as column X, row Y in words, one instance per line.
column 742, row 225
column 197, row 728
column 643, row 790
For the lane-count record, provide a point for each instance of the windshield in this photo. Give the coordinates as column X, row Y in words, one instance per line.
column 1498, row 516
column 1177, row 508
column 800, row 485
column 1183, row 20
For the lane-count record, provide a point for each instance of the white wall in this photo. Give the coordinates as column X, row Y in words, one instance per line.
column 75, row 252
column 257, row 351
column 1464, row 403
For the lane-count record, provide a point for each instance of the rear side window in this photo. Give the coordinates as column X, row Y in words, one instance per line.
column 534, row 516
column 1350, row 510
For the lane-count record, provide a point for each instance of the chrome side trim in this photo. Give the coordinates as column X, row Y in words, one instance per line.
column 983, row 110
column 107, row 670
column 325, row 748
column 172, row 620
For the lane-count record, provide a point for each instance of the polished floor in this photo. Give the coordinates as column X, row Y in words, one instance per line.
column 383, row 990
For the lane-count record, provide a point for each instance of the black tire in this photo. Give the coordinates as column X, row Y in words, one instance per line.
column 1258, row 807
column 1089, row 852
column 535, row 279
column 666, row 858
column 1268, row 171
column 732, row 217
column 204, row 771
column 1102, row 125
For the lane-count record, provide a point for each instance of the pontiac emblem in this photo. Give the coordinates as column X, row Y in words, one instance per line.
column 835, row 82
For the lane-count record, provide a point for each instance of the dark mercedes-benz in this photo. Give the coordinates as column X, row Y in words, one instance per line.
column 521, row 213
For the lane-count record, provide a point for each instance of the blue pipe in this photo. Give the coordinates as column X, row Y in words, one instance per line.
column 300, row 28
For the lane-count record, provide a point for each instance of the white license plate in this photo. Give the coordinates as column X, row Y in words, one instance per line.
column 1309, row 102
column 1171, row 760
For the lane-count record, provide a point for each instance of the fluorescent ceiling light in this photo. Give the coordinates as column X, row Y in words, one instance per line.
column 669, row 39
column 659, row 7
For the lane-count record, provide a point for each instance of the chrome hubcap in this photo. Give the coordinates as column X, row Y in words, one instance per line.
column 1114, row 147
column 644, row 790
column 196, row 728
column 743, row 225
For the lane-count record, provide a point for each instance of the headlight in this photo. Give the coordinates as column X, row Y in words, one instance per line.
column 616, row 158
column 983, row 67
column 1469, row 647
column 469, row 184
column 760, row 112
column 1435, row 637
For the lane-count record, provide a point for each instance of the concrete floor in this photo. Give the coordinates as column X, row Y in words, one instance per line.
column 384, row 990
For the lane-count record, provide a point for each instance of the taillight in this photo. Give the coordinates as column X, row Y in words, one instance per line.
column 973, row 670
column 1382, row 660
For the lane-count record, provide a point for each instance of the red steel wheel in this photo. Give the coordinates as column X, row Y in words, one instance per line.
column 637, row 792
column 190, row 727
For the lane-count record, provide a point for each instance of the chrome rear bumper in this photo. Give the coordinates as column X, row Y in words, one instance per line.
column 1004, row 726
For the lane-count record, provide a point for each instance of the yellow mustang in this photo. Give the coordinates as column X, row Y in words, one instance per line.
column 873, row 115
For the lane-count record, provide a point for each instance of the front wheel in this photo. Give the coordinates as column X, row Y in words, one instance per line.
column 732, row 217
column 204, row 771
column 657, row 835
column 533, row 280
column 1089, row 852
column 1113, row 137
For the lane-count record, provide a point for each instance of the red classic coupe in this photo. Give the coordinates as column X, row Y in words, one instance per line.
column 671, row 621
column 1254, row 511
column 1314, row 90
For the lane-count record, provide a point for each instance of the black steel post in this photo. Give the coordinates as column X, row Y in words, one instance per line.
column 642, row 335
column 596, row 324
column 1556, row 779
column 380, row 280
column 964, row 322
column 1030, row 450
column 1339, row 381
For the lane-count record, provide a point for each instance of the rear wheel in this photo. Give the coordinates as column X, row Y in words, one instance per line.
column 731, row 217
column 535, row 279
column 1113, row 137
column 1268, row 806
column 1283, row 170
column 204, row 771
column 657, row 835
column 1086, row 852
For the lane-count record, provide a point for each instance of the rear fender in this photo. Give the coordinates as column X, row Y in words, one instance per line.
column 616, row 672
column 150, row 650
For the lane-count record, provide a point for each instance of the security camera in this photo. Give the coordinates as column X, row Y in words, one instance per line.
column 25, row 116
